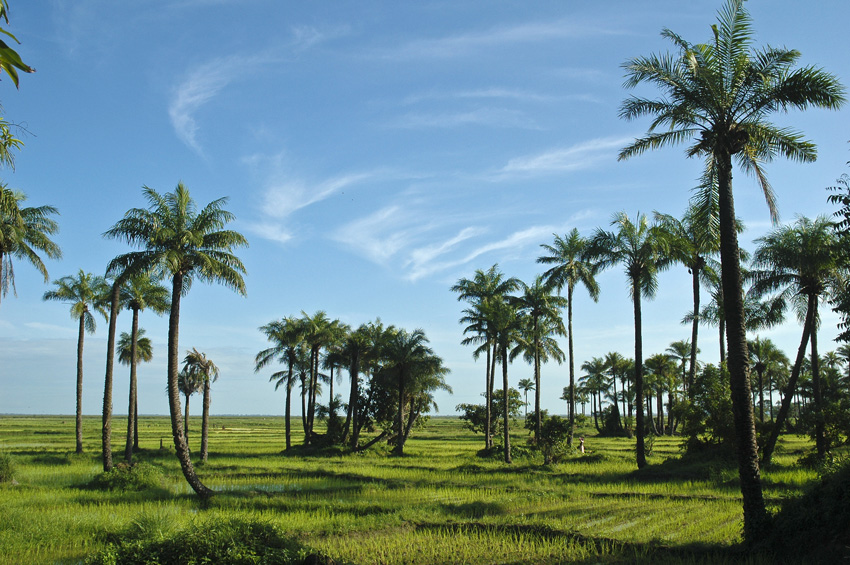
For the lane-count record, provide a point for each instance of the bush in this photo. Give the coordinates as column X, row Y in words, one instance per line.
column 227, row 542
column 7, row 468
column 124, row 477
column 554, row 433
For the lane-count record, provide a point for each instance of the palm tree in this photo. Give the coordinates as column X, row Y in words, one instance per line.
column 541, row 312
column 23, row 233
column 406, row 357
column 571, row 267
column 184, row 243
column 484, row 288
column 526, row 385
column 131, row 350
column 694, row 239
column 766, row 359
column 596, row 383
column 140, row 292
column 681, row 350
column 208, row 372
column 287, row 343
column 798, row 262
column 644, row 251
column 720, row 95
column 188, row 383
column 319, row 332
column 85, row 293
column 506, row 325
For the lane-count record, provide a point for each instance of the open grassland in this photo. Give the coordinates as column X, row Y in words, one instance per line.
column 441, row 503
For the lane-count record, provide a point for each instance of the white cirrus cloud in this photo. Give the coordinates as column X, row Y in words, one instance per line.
column 490, row 117
column 576, row 157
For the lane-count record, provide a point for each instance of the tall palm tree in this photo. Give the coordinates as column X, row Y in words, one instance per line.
column 570, row 268
column 681, row 351
column 286, row 336
column 643, row 250
column 131, row 350
column 798, row 261
column 694, row 239
column 506, row 325
column 486, row 287
column 208, row 372
column 526, row 385
column 86, row 294
column 24, row 232
column 183, row 243
column 542, row 313
column 720, row 95
column 140, row 293
column 319, row 332
column 765, row 357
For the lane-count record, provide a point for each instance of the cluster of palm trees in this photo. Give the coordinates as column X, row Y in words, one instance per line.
column 393, row 376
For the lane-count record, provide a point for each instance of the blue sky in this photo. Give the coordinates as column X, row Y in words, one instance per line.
column 373, row 153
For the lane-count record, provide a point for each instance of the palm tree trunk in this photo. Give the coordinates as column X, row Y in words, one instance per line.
column 131, row 415
column 820, row 440
column 695, row 269
column 572, row 395
column 641, row 448
column 761, row 395
column 488, row 391
column 352, row 401
column 106, row 432
column 186, row 423
column 537, row 419
column 755, row 515
column 399, row 446
column 80, row 338
column 180, row 445
column 505, row 412
column 288, row 410
column 791, row 387
column 136, row 423
column 303, row 380
column 205, row 419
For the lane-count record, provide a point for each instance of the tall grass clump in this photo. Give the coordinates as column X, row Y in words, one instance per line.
column 7, row 468
column 224, row 542
column 123, row 477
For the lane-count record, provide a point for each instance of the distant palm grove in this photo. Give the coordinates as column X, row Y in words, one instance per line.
column 716, row 99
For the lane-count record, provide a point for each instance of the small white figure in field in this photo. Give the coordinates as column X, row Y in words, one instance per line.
column 581, row 444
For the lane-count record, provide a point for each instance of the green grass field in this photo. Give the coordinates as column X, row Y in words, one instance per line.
column 441, row 503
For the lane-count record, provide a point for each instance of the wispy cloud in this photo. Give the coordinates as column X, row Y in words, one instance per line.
column 461, row 44
column 490, row 117
column 576, row 157
column 206, row 81
column 483, row 93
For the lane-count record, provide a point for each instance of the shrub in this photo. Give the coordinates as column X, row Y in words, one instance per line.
column 554, row 433
column 224, row 542
column 124, row 477
column 7, row 468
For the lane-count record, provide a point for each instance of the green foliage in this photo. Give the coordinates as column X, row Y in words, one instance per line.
column 475, row 415
column 123, row 477
column 228, row 542
column 7, row 468
column 554, row 433
column 707, row 417
column 611, row 425
column 816, row 525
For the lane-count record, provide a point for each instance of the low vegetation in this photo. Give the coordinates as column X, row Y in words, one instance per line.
column 443, row 502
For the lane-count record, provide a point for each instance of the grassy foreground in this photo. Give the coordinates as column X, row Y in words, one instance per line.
column 441, row 503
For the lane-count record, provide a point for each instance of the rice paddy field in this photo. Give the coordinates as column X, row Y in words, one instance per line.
column 440, row 503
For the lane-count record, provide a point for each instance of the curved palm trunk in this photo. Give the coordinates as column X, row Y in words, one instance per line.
column 180, row 445
column 571, row 410
column 755, row 514
column 791, row 389
column 641, row 448
column 505, row 414
column 205, row 420
column 80, row 339
column 106, row 434
column 131, row 410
